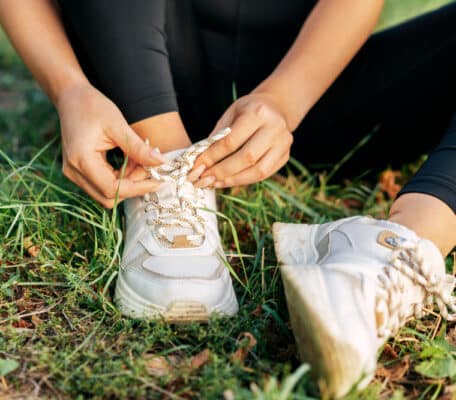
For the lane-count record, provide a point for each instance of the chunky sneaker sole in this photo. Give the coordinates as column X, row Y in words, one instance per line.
column 328, row 354
column 132, row 305
column 334, row 361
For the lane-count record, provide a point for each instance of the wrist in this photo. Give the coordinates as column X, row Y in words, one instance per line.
column 61, row 87
column 293, row 106
column 68, row 88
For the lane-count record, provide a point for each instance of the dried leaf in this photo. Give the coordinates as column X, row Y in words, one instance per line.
column 451, row 336
column 352, row 203
column 449, row 393
column 236, row 190
column 389, row 352
column 32, row 249
column 198, row 360
column 257, row 311
column 247, row 342
column 396, row 371
column 388, row 183
column 22, row 323
column 36, row 320
column 161, row 366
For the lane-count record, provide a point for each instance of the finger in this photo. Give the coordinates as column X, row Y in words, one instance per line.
column 101, row 175
column 252, row 151
column 242, row 128
column 139, row 174
column 76, row 177
column 136, row 149
column 270, row 163
column 125, row 171
column 199, row 166
column 134, row 172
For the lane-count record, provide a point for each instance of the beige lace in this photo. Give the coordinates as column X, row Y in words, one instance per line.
column 181, row 213
column 407, row 262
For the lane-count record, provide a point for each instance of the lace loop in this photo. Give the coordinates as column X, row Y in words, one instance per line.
column 408, row 261
column 182, row 212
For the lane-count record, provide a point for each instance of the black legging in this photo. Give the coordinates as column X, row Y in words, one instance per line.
column 152, row 57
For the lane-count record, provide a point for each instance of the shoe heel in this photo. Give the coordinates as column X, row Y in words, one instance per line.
column 319, row 340
column 293, row 243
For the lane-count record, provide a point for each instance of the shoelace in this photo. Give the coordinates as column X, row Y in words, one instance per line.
column 183, row 212
column 407, row 261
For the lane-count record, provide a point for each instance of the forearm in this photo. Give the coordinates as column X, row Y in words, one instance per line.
column 328, row 40
column 36, row 32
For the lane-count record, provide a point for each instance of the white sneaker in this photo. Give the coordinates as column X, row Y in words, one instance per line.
column 352, row 283
column 173, row 265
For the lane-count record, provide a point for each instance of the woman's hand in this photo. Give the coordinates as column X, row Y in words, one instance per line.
column 257, row 147
column 91, row 125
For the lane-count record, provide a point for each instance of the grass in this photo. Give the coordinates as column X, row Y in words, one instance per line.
column 61, row 337
column 396, row 11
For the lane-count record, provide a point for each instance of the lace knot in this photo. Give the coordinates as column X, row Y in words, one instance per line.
column 181, row 211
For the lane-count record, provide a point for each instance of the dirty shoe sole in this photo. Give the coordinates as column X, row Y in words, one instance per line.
column 334, row 363
column 134, row 306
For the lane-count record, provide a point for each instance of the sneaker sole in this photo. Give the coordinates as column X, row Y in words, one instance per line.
column 333, row 361
column 185, row 311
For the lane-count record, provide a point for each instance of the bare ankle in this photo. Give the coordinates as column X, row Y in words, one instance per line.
column 165, row 131
column 428, row 216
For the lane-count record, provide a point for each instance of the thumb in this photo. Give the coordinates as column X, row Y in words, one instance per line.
column 138, row 150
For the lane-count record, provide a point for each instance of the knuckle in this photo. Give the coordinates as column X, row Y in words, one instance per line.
column 203, row 159
column 282, row 124
column 108, row 203
column 261, row 110
column 217, row 173
column 262, row 172
column 66, row 170
column 140, row 155
column 141, row 150
column 109, row 192
column 229, row 143
column 72, row 160
column 250, row 157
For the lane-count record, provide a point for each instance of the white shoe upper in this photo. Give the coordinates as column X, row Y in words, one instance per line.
column 172, row 249
column 374, row 275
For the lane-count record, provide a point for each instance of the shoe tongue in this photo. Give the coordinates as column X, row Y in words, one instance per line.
column 366, row 240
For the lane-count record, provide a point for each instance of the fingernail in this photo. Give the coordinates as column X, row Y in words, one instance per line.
column 222, row 132
column 155, row 153
column 219, row 184
column 205, row 182
column 196, row 173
